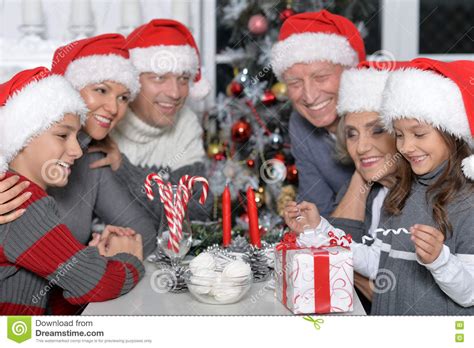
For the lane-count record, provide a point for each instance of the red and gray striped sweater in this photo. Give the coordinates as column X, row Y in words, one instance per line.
column 45, row 270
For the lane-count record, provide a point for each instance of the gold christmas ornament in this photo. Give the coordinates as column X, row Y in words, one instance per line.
column 280, row 90
column 260, row 197
column 287, row 194
column 214, row 149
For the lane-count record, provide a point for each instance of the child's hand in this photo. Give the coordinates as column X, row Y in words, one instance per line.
column 301, row 216
column 428, row 242
column 110, row 230
column 122, row 244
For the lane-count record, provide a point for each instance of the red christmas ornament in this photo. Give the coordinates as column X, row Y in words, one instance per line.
column 258, row 24
column 241, row 131
column 268, row 98
column 292, row 173
column 286, row 13
column 250, row 163
column 244, row 217
column 280, row 157
column 219, row 157
column 235, row 89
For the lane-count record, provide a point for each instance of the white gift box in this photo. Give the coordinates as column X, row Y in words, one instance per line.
column 315, row 280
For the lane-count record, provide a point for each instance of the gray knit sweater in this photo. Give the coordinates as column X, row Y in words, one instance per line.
column 97, row 193
column 45, row 269
column 413, row 289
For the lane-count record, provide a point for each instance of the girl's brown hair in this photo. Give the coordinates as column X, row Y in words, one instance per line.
column 441, row 192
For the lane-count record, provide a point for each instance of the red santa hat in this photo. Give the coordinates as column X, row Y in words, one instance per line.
column 361, row 88
column 437, row 93
column 317, row 36
column 165, row 45
column 95, row 60
column 30, row 103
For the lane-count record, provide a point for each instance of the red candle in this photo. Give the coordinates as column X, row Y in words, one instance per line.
column 226, row 217
column 253, row 218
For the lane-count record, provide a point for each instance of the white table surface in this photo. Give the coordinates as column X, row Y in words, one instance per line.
column 143, row 300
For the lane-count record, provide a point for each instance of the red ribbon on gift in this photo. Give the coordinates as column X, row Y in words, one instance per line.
column 343, row 241
column 322, row 295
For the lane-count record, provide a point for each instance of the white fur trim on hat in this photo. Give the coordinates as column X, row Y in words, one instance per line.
column 360, row 90
column 163, row 59
column 468, row 167
column 312, row 47
column 33, row 110
column 99, row 68
column 199, row 90
column 429, row 98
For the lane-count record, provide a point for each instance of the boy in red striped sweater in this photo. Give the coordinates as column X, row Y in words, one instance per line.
column 43, row 268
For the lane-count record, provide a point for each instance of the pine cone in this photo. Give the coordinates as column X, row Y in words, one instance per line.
column 239, row 245
column 258, row 263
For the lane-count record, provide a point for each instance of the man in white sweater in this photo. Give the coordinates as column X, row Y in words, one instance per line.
column 160, row 133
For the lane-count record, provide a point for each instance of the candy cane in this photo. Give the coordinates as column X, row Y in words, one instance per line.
column 181, row 202
column 184, row 190
column 205, row 187
column 175, row 234
column 148, row 184
column 175, row 206
column 167, row 200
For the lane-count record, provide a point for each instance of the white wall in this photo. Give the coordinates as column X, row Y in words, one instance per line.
column 15, row 55
column 57, row 14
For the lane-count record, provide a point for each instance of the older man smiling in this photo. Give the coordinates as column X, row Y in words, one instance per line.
column 312, row 51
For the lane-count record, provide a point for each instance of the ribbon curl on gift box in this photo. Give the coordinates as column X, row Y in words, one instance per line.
column 322, row 297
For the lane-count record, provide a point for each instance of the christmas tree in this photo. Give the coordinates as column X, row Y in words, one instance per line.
column 247, row 138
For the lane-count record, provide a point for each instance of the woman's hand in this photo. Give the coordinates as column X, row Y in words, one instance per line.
column 113, row 156
column 301, row 216
column 428, row 242
column 11, row 198
column 353, row 203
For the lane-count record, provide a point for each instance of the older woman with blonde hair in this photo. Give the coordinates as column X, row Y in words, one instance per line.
column 363, row 141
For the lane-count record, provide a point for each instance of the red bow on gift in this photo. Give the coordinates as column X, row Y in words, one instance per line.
column 289, row 241
column 344, row 241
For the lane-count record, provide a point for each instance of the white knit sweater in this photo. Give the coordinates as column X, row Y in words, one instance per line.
column 174, row 147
